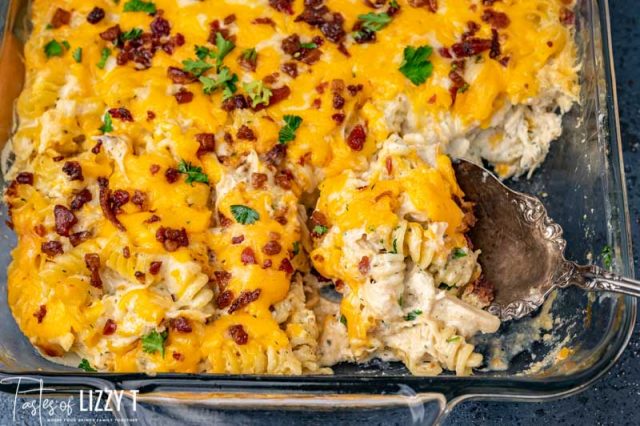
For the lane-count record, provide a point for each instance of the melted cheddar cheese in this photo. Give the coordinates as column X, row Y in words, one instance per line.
column 160, row 190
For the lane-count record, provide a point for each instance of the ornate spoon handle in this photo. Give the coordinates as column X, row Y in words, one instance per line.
column 594, row 278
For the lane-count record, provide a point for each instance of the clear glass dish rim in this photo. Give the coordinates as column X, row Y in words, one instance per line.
column 455, row 389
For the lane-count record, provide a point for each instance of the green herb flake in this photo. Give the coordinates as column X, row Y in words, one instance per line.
column 445, row 287
column 453, row 339
column 308, row 45
column 140, row 6
column 223, row 48
column 48, row 27
column 196, row 67
column 288, row 132
column 464, row 88
column 607, row 256
column 244, row 215
column 394, row 246
column 320, row 229
column 375, row 21
column 84, row 364
column 194, row 174
column 458, row 253
column 258, row 93
column 106, row 52
column 394, row 4
column 154, row 342
column 66, row 44
column 202, row 52
column 296, row 248
column 53, row 48
column 416, row 65
column 107, row 125
column 343, row 320
column 400, row 301
column 132, row 34
column 77, row 55
column 411, row 316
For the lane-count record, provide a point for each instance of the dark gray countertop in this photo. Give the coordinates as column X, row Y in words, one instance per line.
column 616, row 397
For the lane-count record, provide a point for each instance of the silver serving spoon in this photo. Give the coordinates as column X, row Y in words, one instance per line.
column 523, row 249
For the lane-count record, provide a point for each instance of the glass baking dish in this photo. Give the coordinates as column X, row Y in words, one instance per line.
column 582, row 185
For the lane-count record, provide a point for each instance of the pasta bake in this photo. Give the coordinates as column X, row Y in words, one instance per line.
column 266, row 186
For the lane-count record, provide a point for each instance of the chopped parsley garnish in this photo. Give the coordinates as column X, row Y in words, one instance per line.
column 223, row 48
column 444, row 286
column 320, row 229
column 453, row 339
column 77, row 55
column 244, row 215
column 84, row 364
column 107, row 125
column 400, row 301
column 457, row 253
column 132, row 34
column 343, row 320
column 140, row 6
column 53, row 48
column 308, row 45
column 250, row 54
column 411, row 316
column 225, row 80
column 607, row 256
column 154, row 342
column 194, row 174
column 375, row 21
column 106, row 52
column 66, row 44
column 258, row 93
column 196, row 67
column 416, row 65
column 296, row 248
column 394, row 246
column 202, row 52
column 48, row 27
column 394, row 4
column 464, row 88
column 288, row 132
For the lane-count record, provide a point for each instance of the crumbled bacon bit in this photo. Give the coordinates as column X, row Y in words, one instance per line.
column 65, row 219
column 60, row 17
column 238, row 334
column 338, row 118
column 151, row 115
column 154, row 267
column 105, row 203
column 245, row 133
column 154, row 168
column 111, row 34
column 183, row 96
column 73, row 169
column 110, row 327
column 432, row 5
column 258, row 180
column 286, row 266
column 388, row 163
column 96, row 148
column 277, row 95
column 472, row 29
column 126, row 252
column 118, row 198
column 96, row 15
column 153, row 218
column 290, row 68
column 172, row 239
column 248, row 62
column 357, row 137
column 276, row 155
column 224, row 299
column 567, row 17
column 497, row 20
column 40, row 313
column 495, row 45
column 172, row 175
column 363, row 265
column 283, row 178
column 139, row 198
column 318, row 15
column 471, row 47
column 78, row 238
column 140, row 276
column 222, row 279
column 284, row 6
column 483, row 290
column 272, row 248
column 267, row 264
column 224, row 221
column 248, row 257
column 244, row 299
column 264, row 21
column 160, row 27
column 177, row 356
column 207, row 143
column 52, row 248
column 180, row 76
column 237, row 239
column 40, row 230
column 338, row 101
column 235, row 102
column 180, row 324
column 121, row 114
column 92, row 261
column 353, row 89
column 317, row 103
column 25, row 178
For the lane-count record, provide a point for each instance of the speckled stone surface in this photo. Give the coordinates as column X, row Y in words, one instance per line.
column 615, row 398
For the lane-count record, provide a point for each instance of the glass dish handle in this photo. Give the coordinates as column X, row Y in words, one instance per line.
column 595, row 278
